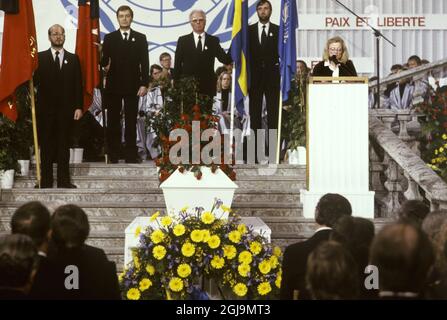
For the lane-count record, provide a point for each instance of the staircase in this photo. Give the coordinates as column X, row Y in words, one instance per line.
column 114, row 194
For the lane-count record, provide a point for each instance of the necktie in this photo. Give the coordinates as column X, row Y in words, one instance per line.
column 263, row 36
column 57, row 61
column 125, row 36
column 199, row 44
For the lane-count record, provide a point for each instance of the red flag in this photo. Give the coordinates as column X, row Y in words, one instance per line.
column 19, row 55
column 87, row 40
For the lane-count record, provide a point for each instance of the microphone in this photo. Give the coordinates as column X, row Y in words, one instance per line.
column 333, row 58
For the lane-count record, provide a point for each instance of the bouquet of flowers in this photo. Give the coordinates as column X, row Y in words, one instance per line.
column 174, row 258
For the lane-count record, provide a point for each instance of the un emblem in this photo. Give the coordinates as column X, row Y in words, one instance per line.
column 163, row 21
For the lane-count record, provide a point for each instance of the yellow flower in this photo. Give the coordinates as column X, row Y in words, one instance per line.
column 273, row 262
column 240, row 289
column 208, row 217
column 137, row 231
column 133, row 294
column 278, row 281
column 159, row 252
column 184, row 208
column 264, row 267
column 197, row 235
column 121, row 275
column 188, row 249
column 166, row 221
column 255, row 247
column 229, row 252
column 244, row 269
column 206, row 235
column 264, row 288
column 179, row 230
column 441, row 150
column 444, row 136
column 436, row 152
column 277, row 251
column 184, row 270
column 245, row 257
column 176, row 284
column 154, row 216
column 136, row 261
column 433, row 161
column 242, row 228
column 214, row 242
column 217, row 262
column 234, row 236
column 157, row 236
column 150, row 269
column 225, row 208
column 145, row 284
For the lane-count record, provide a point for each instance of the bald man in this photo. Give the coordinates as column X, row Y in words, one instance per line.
column 59, row 104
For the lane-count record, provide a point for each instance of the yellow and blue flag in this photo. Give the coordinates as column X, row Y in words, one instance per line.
column 287, row 44
column 239, row 52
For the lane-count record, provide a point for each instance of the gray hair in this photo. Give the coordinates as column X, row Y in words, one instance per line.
column 197, row 11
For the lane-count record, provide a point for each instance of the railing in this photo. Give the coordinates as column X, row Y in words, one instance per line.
column 396, row 168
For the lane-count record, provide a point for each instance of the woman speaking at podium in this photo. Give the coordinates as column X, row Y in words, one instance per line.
column 336, row 61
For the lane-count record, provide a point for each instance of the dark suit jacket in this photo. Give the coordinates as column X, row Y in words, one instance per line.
column 58, row 93
column 97, row 275
column 129, row 69
column 264, row 63
column 294, row 265
column 346, row 70
column 191, row 63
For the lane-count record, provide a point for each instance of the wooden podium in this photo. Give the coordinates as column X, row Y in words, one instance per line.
column 338, row 144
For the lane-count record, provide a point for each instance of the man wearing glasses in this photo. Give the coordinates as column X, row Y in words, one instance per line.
column 196, row 53
column 59, row 102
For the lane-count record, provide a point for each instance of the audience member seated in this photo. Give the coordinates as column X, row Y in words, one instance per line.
column 17, row 266
column 356, row 235
column 403, row 255
column 401, row 97
column 33, row 219
column 95, row 275
column 331, row 273
column 420, row 81
column 435, row 226
column 329, row 209
column 413, row 211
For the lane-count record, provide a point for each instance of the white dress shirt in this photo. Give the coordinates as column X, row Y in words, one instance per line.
column 267, row 28
column 128, row 34
column 196, row 39
column 61, row 56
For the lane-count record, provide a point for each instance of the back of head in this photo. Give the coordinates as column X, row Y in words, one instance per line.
column 403, row 255
column 413, row 211
column 433, row 222
column 17, row 260
column 331, row 273
column 356, row 235
column 33, row 220
column 330, row 208
column 70, row 227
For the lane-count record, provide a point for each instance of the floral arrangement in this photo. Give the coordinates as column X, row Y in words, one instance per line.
column 183, row 105
column 435, row 131
column 173, row 259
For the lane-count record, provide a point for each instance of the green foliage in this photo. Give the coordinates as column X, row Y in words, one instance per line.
column 294, row 117
column 8, row 152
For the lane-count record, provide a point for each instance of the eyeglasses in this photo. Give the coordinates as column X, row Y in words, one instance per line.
column 198, row 20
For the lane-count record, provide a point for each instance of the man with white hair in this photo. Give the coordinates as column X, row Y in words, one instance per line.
column 196, row 53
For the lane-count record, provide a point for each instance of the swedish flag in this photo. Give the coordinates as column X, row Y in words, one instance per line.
column 239, row 52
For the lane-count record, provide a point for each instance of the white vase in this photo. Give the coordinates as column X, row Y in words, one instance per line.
column 7, row 180
column 184, row 189
column 24, row 167
column 78, row 154
column 71, row 155
column 297, row 156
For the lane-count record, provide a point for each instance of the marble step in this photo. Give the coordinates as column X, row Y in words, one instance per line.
column 135, row 195
column 103, row 182
column 148, row 169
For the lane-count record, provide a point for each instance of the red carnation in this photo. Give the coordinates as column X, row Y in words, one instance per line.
column 196, row 108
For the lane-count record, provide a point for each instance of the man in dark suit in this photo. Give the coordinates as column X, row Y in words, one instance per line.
column 126, row 61
column 329, row 209
column 59, row 101
column 196, row 53
column 264, row 67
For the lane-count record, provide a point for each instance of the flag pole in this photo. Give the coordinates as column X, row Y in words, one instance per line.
column 233, row 101
column 278, row 143
column 36, row 143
